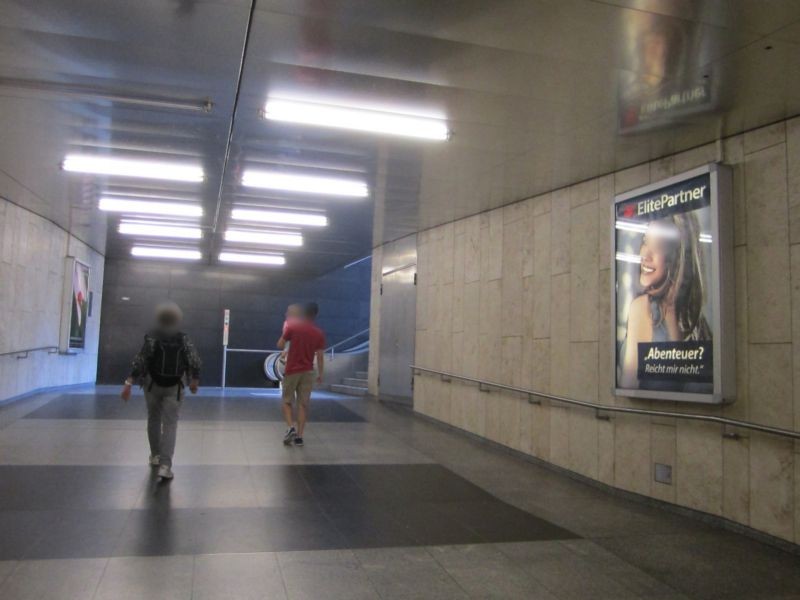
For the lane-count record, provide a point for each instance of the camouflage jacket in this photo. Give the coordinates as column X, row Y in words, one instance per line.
column 190, row 359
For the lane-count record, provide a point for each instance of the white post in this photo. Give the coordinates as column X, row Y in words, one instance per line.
column 225, row 328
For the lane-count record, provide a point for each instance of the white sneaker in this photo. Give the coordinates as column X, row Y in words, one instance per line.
column 165, row 472
column 290, row 434
column 155, row 460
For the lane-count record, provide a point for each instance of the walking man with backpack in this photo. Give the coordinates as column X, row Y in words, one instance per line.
column 166, row 358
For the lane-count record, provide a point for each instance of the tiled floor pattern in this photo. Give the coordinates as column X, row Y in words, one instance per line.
column 378, row 504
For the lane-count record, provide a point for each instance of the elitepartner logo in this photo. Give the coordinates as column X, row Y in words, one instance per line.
column 663, row 201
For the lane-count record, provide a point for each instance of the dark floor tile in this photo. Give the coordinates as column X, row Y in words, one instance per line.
column 416, row 482
column 21, row 530
column 302, row 526
column 496, row 521
column 711, row 565
column 159, row 533
column 194, row 408
column 279, row 484
column 428, row 525
column 331, row 483
column 80, row 534
column 42, row 487
column 365, row 526
column 200, row 485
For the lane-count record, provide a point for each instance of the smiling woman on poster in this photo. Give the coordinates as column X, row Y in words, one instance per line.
column 670, row 306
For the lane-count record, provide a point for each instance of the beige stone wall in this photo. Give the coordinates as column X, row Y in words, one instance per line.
column 520, row 295
column 32, row 265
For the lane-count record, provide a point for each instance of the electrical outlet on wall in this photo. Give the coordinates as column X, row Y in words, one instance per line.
column 663, row 473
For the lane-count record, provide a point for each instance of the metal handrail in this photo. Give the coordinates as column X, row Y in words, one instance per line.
column 417, row 370
column 344, row 341
column 50, row 350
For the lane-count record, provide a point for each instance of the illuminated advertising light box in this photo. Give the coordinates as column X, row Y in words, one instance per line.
column 672, row 297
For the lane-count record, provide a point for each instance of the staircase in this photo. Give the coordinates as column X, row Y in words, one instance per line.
column 352, row 386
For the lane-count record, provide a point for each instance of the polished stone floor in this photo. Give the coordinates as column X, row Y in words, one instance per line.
column 378, row 504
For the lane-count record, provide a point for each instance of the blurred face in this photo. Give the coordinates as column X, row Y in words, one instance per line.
column 167, row 320
column 295, row 311
column 653, row 268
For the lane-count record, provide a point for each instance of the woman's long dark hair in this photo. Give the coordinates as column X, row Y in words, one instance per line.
column 683, row 287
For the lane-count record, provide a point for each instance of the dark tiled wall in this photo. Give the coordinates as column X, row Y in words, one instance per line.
column 257, row 300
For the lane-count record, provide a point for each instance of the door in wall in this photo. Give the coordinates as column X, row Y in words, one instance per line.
column 398, row 319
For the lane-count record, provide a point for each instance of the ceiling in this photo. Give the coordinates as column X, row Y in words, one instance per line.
column 538, row 94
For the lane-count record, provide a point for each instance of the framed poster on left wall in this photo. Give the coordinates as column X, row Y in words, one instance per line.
column 75, row 305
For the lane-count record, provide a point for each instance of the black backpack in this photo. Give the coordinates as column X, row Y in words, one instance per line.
column 167, row 364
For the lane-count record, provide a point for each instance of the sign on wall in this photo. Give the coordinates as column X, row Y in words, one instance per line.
column 672, row 298
column 75, row 305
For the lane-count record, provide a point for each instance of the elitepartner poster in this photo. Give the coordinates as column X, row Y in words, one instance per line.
column 80, row 305
column 663, row 254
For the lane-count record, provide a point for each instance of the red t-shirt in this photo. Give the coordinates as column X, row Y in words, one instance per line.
column 306, row 338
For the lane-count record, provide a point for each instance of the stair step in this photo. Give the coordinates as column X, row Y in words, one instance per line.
column 355, row 381
column 361, row 374
column 350, row 390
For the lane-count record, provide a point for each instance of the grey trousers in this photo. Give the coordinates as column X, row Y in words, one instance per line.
column 163, row 404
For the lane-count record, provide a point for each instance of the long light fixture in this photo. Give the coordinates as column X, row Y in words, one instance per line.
column 158, row 230
column 277, row 180
column 177, row 253
column 631, row 226
column 146, row 169
column 628, row 257
column 264, row 237
column 279, row 217
column 357, row 119
column 253, row 259
column 146, row 207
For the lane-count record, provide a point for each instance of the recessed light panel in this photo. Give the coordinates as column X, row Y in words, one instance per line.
column 150, row 207
column 329, row 186
column 176, row 253
column 356, row 119
column 279, row 217
column 264, row 237
column 123, row 167
column 158, row 230
column 252, row 259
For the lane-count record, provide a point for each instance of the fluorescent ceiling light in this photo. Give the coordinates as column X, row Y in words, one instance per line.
column 264, row 237
column 652, row 228
column 156, row 230
column 147, row 169
column 153, row 252
column 150, row 207
column 358, row 119
column 630, row 226
column 705, row 238
column 276, row 180
column 276, row 216
column 253, row 259
column 627, row 257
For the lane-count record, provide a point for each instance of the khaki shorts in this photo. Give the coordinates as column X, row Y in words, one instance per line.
column 299, row 384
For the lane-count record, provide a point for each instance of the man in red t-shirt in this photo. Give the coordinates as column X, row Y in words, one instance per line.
column 306, row 342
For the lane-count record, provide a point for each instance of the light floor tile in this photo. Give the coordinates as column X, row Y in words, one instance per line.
column 162, row 577
column 75, row 579
column 334, row 575
column 238, row 577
